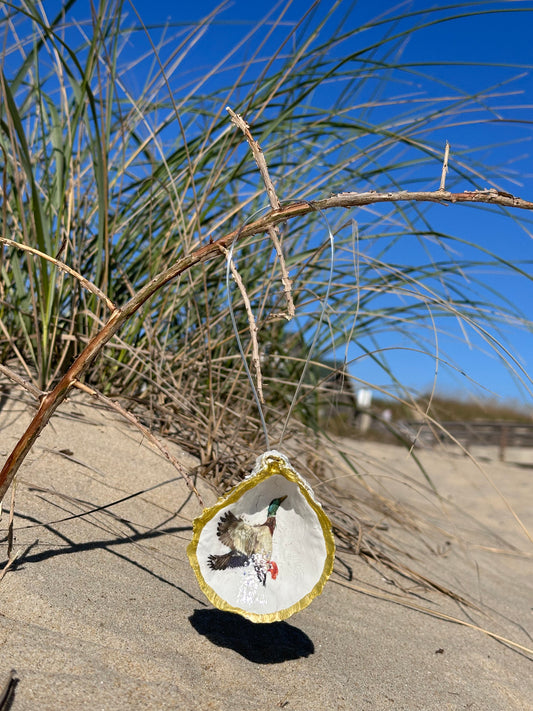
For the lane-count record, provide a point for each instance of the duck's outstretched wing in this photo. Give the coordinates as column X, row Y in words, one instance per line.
column 237, row 534
column 227, row 560
column 226, row 528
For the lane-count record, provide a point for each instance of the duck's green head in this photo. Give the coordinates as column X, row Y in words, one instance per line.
column 274, row 505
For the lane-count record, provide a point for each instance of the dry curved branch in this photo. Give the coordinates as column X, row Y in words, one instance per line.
column 51, row 401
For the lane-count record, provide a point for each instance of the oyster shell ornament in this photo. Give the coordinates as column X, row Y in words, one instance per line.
column 265, row 550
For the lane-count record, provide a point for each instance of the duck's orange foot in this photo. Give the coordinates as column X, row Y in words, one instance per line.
column 272, row 568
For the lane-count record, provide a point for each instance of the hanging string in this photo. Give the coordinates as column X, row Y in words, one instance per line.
column 317, row 329
column 325, row 300
column 229, row 261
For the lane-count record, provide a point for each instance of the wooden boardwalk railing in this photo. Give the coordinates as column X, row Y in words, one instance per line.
column 501, row 434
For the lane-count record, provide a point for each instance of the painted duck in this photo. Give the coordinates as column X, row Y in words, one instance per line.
column 248, row 543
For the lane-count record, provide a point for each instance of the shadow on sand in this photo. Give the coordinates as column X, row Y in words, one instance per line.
column 270, row 643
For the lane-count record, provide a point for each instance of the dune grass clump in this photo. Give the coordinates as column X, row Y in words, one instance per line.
column 124, row 183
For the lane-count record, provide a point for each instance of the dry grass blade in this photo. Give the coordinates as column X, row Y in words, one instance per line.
column 10, row 536
column 63, row 267
column 252, row 327
column 146, row 433
column 20, row 381
column 435, row 613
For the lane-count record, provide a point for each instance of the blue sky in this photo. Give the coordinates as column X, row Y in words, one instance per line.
column 471, row 47
column 487, row 40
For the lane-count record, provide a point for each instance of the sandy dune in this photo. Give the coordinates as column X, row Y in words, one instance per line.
column 103, row 612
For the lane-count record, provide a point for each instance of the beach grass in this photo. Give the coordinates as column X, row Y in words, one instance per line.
column 117, row 165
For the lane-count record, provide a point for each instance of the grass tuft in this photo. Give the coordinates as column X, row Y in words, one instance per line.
column 117, row 165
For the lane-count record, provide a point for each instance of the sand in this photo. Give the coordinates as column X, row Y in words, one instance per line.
column 104, row 612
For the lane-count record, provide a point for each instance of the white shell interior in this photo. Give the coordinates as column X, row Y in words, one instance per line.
column 298, row 549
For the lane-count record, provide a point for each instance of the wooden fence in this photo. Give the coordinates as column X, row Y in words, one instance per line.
column 500, row 434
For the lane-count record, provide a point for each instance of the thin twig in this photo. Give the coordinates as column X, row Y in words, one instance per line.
column 13, row 345
column 444, row 167
column 64, row 267
column 8, row 565
column 259, row 157
column 10, row 534
column 20, row 381
column 252, row 328
column 285, row 280
column 51, row 401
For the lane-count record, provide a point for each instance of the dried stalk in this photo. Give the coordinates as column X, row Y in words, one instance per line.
column 444, row 173
column 18, row 380
column 252, row 326
column 259, row 157
column 275, row 205
column 64, row 267
column 51, row 401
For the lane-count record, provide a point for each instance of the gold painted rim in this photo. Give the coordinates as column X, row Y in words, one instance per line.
column 280, row 466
